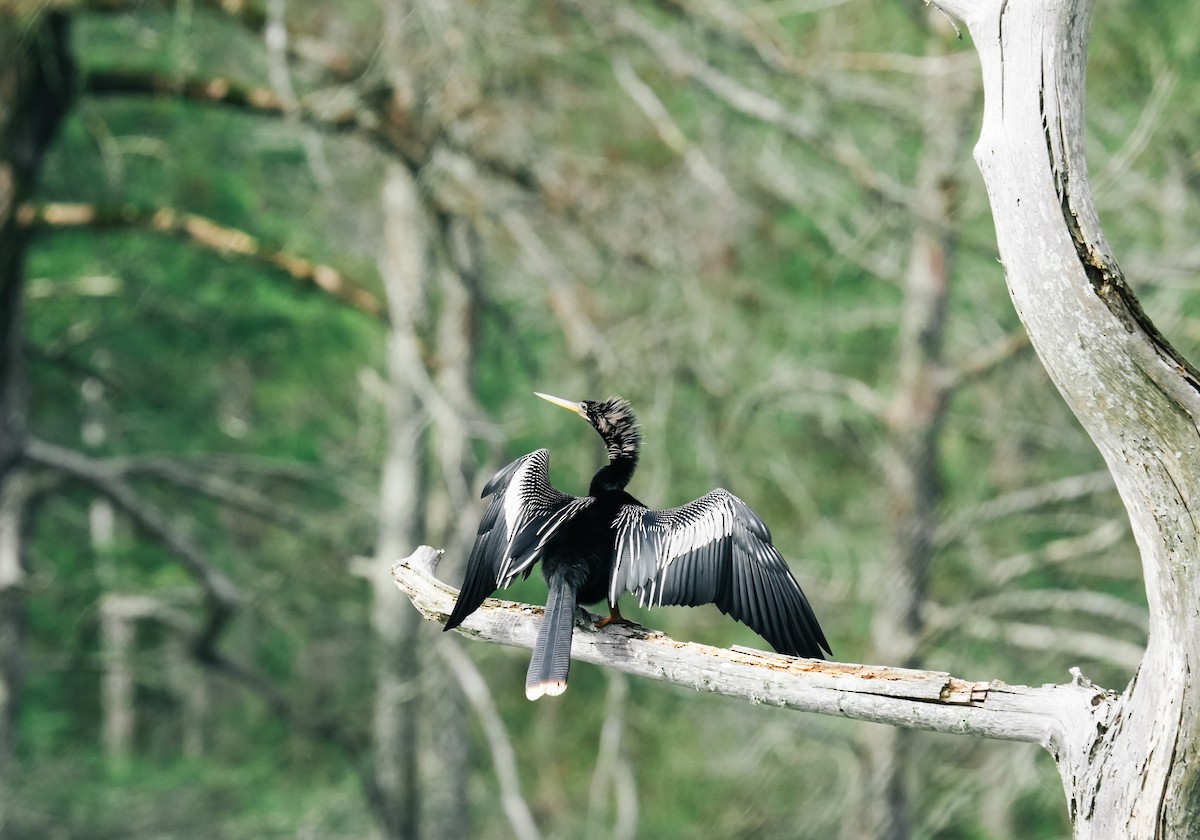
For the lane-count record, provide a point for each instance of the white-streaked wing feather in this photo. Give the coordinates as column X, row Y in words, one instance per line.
column 522, row 514
column 533, row 509
column 714, row 550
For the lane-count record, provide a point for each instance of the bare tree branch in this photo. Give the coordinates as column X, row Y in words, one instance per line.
column 1114, row 172
column 930, row 700
column 206, row 234
column 956, row 64
column 192, row 477
column 370, row 115
column 792, row 384
column 584, row 338
column 1099, row 605
column 779, row 179
column 222, row 595
column 355, row 119
column 212, row 90
column 1005, row 571
column 1078, row 644
column 219, row 588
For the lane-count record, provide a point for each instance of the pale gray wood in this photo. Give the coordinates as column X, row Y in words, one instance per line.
column 1138, row 399
column 931, row 700
column 403, row 271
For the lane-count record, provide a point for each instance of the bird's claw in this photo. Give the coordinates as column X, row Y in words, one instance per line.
column 614, row 617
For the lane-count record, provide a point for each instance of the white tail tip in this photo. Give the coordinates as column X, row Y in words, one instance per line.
column 552, row 688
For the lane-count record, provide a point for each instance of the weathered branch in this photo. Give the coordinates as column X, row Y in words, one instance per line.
column 206, row 234
column 929, row 700
column 1134, row 394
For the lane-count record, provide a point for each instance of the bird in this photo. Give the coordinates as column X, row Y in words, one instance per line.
column 714, row 549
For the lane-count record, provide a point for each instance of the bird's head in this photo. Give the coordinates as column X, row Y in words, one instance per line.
column 612, row 418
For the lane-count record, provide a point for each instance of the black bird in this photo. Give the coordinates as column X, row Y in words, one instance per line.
column 714, row 550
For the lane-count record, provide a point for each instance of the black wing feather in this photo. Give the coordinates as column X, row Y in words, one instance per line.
column 524, row 511
column 715, row 550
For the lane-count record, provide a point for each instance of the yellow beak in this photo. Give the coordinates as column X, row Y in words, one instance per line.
column 577, row 407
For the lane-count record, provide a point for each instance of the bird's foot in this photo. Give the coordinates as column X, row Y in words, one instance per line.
column 614, row 617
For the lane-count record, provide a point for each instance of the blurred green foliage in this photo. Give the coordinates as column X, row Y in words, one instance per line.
column 241, row 371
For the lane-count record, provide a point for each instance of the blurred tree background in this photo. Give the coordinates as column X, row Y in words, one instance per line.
column 279, row 279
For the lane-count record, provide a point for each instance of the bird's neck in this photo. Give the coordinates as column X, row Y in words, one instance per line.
column 622, row 441
column 615, row 474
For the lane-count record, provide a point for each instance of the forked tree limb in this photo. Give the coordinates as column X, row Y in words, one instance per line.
column 1135, row 395
column 932, row 700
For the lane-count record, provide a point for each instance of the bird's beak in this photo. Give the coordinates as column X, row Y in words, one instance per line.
column 577, row 407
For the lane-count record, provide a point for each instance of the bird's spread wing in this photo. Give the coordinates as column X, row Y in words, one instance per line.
column 524, row 512
column 715, row 550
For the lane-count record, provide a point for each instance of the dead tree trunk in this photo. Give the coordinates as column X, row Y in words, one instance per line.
column 447, row 757
column 1133, row 393
column 36, row 74
column 397, row 697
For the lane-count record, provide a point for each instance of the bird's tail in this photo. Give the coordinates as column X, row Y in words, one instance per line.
column 551, row 661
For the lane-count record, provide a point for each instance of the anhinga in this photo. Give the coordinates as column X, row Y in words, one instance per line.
column 714, row 550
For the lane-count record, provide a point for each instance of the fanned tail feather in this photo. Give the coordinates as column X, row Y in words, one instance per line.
column 551, row 661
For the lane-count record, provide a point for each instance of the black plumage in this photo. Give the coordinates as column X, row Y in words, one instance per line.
column 712, row 550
